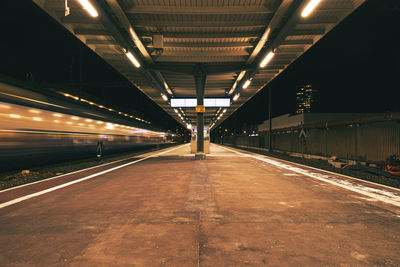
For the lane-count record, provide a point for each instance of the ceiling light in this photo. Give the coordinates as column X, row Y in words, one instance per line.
column 236, row 97
column 89, row 8
column 224, row 110
column 246, row 84
column 189, row 126
column 267, row 59
column 176, row 111
column 309, row 8
column 133, row 59
column 164, row 97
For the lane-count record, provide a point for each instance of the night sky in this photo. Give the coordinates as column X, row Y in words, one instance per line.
column 355, row 68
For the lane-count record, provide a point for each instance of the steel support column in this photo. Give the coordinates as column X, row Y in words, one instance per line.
column 270, row 119
column 200, row 76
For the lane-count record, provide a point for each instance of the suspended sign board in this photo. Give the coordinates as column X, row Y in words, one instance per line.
column 208, row 102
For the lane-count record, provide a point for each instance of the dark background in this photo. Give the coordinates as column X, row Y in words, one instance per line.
column 355, row 68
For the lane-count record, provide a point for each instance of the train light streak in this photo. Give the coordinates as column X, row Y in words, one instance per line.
column 236, row 97
column 110, row 126
column 267, row 59
column 37, row 119
column 309, row 8
column 57, row 115
column 88, row 120
column 4, row 106
column 164, row 97
column 89, row 8
column 34, row 111
column 74, row 118
column 15, row 116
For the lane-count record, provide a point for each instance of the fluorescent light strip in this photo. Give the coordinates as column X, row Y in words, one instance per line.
column 267, row 59
column 309, row 8
column 246, row 84
column 89, row 8
column 133, row 59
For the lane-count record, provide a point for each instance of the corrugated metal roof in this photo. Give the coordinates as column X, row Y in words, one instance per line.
column 226, row 37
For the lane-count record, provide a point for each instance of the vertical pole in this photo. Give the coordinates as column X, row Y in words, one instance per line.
column 200, row 82
column 80, row 74
column 200, row 128
column 270, row 119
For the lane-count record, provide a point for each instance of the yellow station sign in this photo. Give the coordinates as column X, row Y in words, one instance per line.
column 200, row 108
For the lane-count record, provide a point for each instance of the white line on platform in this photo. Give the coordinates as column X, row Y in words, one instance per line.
column 69, row 173
column 17, row 200
column 378, row 194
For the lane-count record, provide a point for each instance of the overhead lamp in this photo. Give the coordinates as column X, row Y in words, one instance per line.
column 246, row 84
column 267, row 59
column 176, row 111
column 89, row 8
column 133, row 59
column 164, row 97
column 309, row 8
column 224, row 110
column 236, row 97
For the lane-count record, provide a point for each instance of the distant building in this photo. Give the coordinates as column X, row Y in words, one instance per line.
column 305, row 96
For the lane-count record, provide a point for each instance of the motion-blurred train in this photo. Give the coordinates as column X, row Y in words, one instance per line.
column 38, row 129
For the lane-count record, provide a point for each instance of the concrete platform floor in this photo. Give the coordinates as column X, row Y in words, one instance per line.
column 233, row 209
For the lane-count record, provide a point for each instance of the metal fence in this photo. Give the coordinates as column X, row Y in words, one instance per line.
column 372, row 142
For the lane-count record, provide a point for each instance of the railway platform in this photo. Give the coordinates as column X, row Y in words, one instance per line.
column 235, row 208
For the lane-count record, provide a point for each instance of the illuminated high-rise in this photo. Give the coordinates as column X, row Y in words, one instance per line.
column 304, row 98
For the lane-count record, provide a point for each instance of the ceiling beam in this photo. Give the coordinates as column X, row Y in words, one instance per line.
column 154, row 9
column 206, row 45
column 156, row 77
column 297, row 42
column 196, row 53
column 202, row 59
column 80, row 20
column 318, row 31
column 199, row 23
column 204, row 35
column 320, row 20
column 101, row 42
column 273, row 23
column 95, row 32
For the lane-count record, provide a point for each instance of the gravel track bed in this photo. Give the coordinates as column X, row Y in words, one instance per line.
column 323, row 164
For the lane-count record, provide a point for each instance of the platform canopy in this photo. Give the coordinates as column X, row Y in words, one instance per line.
column 173, row 41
